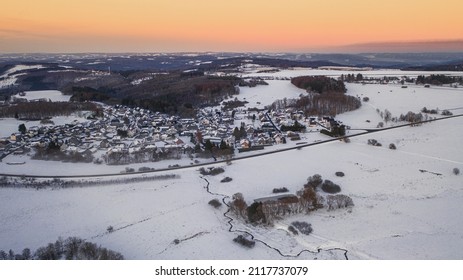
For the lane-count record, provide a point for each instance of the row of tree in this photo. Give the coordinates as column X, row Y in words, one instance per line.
column 320, row 104
column 73, row 248
column 351, row 78
column 143, row 155
column 319, row 84
column 41, row 110
column 438, row 79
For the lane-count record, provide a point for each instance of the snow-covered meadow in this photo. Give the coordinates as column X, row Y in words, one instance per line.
column 49, row 95
column 407, row 201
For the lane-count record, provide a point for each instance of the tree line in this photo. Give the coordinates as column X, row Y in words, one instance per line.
column 438, row 79
column 72, row 248
column 41, row 110
column 319, row 84
column 330, row 104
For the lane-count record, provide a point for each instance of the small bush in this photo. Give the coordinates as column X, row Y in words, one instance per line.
column 338, row 201
column 212, row 171
column 303, row 227
column 392, row 146
column 215, row 203
column 226, row 180
column 293, row 230
column 366, row 99
column 280, row 190
column 374, row 142
column 339, row 174
column 110, row 229
column 203, row 171
column 145, row 169
column 216, row 171
column 456, row 171
column 330, row 187
column 129, row 170
column 314, row 181
column 240, row 239
column 446, row 113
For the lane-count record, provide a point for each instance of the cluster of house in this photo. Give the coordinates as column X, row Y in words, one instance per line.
column 127, row 131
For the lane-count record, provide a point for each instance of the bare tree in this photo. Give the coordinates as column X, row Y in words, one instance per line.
column 387, row 115
column 238, row 205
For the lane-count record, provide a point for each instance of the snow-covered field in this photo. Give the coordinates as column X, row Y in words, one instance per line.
column 400, row 212
column 295, row 72
column 52, row 95
column 261, row 96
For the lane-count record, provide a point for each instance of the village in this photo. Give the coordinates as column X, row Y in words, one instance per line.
column 126, row 135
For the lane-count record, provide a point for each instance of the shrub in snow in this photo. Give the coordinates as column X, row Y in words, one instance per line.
column 110, row 229
column 203, row 171
column 145, row 169
column 240, row 239
column 338, row 201
column 280, row 190
column 314, row 181
column 129, row 170
column 303, row 227
column 446, row 113
column 293, row 230
column 330, row 187
column 456, row 171
column 211, row 171
column 374, row 142
column 366, row 99
column 226, row 180
column 392, row 146
column 215, row 203
column 339, row 174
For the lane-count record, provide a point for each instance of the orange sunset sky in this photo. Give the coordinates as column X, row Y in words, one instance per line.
column 216, row 25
